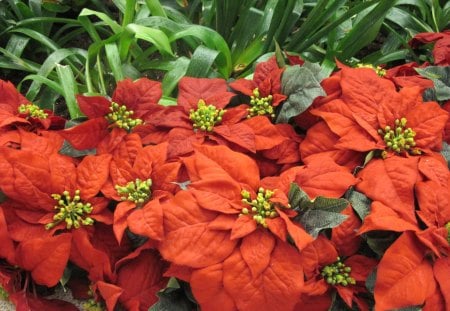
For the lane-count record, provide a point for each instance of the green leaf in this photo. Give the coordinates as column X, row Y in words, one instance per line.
column 47, row 67
column 155, row 36
column 379, row 241
column 359, row 202
column 201, row 62
column 411, row 308
column 155, row 8
column 175, row 297
column 70, row 90
column 440, row 76
column 113, row 57
column 115, row 27
column 317, row 214
column 66, row 276
column 171, row 78
column 329, row 204
column 297, row 197
column 16, row 44
column 365, row 31
column 316, row 220
column 446, row 153
column 2, row 197
column 69, row 150
column 301, row 85
column 370, row 281
column 212, row 40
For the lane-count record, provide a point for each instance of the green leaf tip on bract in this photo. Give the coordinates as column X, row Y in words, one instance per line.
column 301, row 85
column 316, row 214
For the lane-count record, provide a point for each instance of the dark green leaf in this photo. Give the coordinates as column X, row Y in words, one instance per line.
column 330, row 204
column 173, row 298
column 316, row 220
column 2, row 197
column 379, row 241
column 365, row 30
column 66, row 276
column 359, row 202
column 297, row 196
column 317, row 214
column 370, row 281
column 69, row 150
column 301, row 86
column 300, row 201
column 337, row 304
column 411, row 308
column 440, row 76
column 446, row 153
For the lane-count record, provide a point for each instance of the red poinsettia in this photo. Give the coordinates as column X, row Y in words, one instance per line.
column 264, row 89
column 326, row 271
column 441, row 49
column 132, row 102
column 371, row 115
column 137, row 277
column 18, row 288
column 15, row 109
column 49, row 197
column 139, row 178
column 412, row 270
column 201, row 117
column 230, row 229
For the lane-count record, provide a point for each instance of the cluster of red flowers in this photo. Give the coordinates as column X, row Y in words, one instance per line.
column 214, row 193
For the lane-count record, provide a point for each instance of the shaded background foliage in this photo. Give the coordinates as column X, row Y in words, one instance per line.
column 55, row 49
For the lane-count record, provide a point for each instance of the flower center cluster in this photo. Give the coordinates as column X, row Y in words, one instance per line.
column 137, row 191
column 205, row 116
column 3, row 294
column 447, row 226
column 380, row 71
column 92, row 305
column 400, row 138
column 32, row 110
column 338, row 274
column 259, row 208
column 260, row 106
column 71, row 210
column 122, row 117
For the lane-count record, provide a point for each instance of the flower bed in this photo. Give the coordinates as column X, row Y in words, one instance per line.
column 293, row 188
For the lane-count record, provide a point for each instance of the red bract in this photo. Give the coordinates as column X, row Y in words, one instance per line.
column 411, row 270
column 137, row 278
column 131, row 103
column 406, row 76
column 441, row 49
column 370, row 108
column 208, row 213
column 405, row 276
column 139, row 178
column 238, row 227
column 326, row 272
column 201, row 117
column 16, row 110
column 48, row 198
